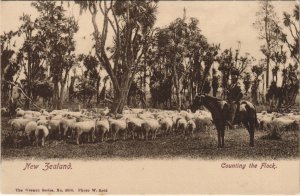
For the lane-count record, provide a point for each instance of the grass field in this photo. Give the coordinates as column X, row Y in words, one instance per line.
column 203, row 146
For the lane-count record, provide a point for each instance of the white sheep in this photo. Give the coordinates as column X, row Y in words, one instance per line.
column 150, row 126
column 4, row 111
column 105, row 111
column 284, row 123
column 54, row 128
column 66, row 125
column 18, row 124
column 33, row 113
column 56, row 117
column 175, row 119
column 137, row 110
column 265, row 121
column 19, row 112
column 101, row 129
column 86, row 127
column 203, row 122
column 191, row 126
column 30, row 116
column 41, row 134
column 42, row 121
column 181, row 125
column 134, row 126
column 117, row 127
column 44, row 112
column 166, row 125
column 30, row 131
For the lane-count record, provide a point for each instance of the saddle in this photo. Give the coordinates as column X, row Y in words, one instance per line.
column 230, row 112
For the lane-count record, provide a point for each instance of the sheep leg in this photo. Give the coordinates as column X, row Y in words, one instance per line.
column 37, row 141
column 185, row 132
column 115, row 135
column 43, row 141
column 152, row 135
column 146, row 135
column 124, row 134
column 102, row 136
column 106, row 136
column 77, row 138
column 92, row 135
column 193, row 133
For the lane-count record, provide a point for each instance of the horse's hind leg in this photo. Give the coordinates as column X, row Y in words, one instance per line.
column 222, row 136
column 250, row 128
column 251, row 133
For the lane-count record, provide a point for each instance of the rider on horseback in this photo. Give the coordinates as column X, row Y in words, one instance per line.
column 234, row 96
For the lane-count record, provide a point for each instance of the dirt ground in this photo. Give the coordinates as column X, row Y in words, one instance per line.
column 202, row 146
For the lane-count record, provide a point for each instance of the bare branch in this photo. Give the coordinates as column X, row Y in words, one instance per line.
column 21, row 90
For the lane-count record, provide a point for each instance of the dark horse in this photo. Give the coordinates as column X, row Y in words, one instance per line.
column 220, row 111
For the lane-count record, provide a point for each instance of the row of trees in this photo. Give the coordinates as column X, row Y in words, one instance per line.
column 278, row 43
column 174, row 62
column 45, row 57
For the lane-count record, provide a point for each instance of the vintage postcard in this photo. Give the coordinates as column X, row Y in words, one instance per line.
column 150, row 97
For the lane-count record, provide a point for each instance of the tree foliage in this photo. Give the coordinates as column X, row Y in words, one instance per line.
column 9, row 65
column 269, row 31
column 232, row 66
column 131, row 23
column 183, row 53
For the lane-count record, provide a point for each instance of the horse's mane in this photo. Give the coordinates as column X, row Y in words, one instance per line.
column 213, row 98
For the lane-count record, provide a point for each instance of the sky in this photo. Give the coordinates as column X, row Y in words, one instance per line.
column 222, row 22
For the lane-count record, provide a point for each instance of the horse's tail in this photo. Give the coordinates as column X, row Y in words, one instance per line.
column 256, row 121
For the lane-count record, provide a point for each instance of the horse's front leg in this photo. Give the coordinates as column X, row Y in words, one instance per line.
column 219, row 138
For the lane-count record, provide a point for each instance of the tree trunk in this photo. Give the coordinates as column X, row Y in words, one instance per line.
column 61, row 97
column 5, row 93
column 119, row 101
column 191, row 89
column 55, row 95
column 71, row 89
column 267, row 72
column 27, row 102
column 176, row 85
column 98, row 90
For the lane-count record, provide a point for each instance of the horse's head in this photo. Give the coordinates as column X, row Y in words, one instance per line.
column 197, row 102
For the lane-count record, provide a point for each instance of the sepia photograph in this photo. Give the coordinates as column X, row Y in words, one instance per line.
column 166, row 93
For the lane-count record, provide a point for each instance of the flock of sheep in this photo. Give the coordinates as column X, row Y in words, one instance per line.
column 35, row 127
column 278, row 122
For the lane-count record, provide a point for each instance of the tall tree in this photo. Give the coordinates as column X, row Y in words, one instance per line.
column 186, row 55
column 269, row 31
column 215, row 82
column 92, row 72
column 291, row 39
column 232, row 65
column 130, row 23
column 291, row 83
column 247, row 82
column 56, row 32
column 31, row 55
column 257, row 70
column 9, row 65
